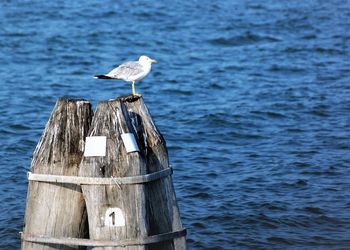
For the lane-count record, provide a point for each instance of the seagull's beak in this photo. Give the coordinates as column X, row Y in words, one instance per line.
column 153, row 61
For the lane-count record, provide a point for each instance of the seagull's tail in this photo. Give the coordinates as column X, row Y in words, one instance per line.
column 102, row 77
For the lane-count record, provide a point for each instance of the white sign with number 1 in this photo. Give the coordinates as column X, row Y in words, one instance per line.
column 114, row 217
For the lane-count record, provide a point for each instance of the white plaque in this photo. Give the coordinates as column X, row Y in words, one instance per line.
column 114, row 217
column 130, row 142
column 95, row 146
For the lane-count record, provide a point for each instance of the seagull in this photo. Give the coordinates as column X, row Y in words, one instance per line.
column 133, row 71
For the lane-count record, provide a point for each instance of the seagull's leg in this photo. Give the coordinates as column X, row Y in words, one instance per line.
column 133, row 89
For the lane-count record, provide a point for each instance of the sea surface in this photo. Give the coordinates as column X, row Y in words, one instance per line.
column 252, row 97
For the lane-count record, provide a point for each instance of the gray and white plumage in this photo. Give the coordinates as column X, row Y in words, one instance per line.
column 130, row 71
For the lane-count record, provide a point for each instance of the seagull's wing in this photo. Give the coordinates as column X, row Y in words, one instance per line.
column 124, row 71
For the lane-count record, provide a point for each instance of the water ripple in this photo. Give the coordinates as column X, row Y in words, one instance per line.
column 241, row 40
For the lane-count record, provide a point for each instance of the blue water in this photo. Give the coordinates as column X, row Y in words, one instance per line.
column 253, row 98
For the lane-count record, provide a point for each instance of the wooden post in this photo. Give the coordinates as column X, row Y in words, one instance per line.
column 58, row 210
column 140, row 211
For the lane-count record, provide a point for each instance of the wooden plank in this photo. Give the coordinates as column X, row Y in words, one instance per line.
column 58, row 210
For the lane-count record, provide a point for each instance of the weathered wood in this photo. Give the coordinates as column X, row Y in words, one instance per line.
column 58, row 210
column 163, row 210
column 149, row 209
column 111, row 121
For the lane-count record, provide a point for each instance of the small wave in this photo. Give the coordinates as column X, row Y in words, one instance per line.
column 297, row 184
column 198, row 225
column 178, row 91
column 233, row 68
column 7, row 131
column 212, row 174
column 301, row 183
column 216, row 86
column 218, row 119
column 323, row 219
column 309, row 37
column 253, row 179
column 328, row 51
column 314, row 210
column 19, row 127
column 294, row 130
column 242, row 40
column 200, row 195
column 148, row 14
column 318, row 112
column 277, row 239
column 273, row 206
column 342, row 146
column 286, row 69
column 20, row 34
column 233, row 134
column 256, row 6
column 269, row 114
column 56, row 39
column 318, row 50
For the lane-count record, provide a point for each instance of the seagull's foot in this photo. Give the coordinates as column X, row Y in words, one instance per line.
column 137, row 94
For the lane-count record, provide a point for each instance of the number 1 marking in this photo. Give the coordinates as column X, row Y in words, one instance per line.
column 114, row 217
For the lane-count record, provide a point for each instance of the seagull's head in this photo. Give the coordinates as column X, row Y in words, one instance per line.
column 146, row 59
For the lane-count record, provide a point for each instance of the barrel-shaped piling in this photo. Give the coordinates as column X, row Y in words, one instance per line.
column 103, row 182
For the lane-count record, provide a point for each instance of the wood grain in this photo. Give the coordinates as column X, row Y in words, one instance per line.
column 150, row 208
column 58, row 210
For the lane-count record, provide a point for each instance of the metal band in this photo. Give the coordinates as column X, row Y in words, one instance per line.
column 104, row 243
column 80, row 180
